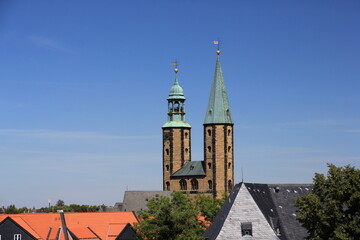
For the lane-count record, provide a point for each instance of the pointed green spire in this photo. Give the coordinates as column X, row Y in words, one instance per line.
column 218, row 109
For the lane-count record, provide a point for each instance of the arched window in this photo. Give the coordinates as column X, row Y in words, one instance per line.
column 167, row 167
column 167, row 186
column 229, row 132
column 209, row 132
column 186, row 150
column 209, row 149
column 229, row 165
column 209, row 165
column 229, row 148
column 210, row 184
column 194, row 184
column 186, row 135
column 229, row 185
column 183, row 185
column 167, row 151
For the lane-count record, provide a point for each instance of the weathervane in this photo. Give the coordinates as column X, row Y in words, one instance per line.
column 176, row 66
column 218, row 46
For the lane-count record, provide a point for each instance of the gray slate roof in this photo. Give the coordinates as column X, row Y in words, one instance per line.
column 137, row 200
column 192, row 168
column 276, row 204
column 218, row 109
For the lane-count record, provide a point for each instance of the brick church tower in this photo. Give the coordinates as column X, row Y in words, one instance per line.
column 176, row 136
column 218, row 136
column 215, row 174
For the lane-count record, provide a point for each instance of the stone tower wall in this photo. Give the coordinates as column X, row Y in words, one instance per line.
column 219, row 156
column 176, row 152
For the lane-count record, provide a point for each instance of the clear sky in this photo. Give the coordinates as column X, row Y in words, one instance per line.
column 83, row 88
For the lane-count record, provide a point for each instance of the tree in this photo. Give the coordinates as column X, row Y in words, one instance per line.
column 60, row 203
column 209, row 206
column 170, row 218
column 332, row 210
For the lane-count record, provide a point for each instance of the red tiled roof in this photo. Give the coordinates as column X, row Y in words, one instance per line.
column 107, row 225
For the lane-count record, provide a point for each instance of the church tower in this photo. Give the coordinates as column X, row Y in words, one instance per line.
column 218, row 136
column 176, row 136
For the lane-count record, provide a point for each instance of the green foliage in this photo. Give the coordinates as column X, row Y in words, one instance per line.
column 209, row 206
column 70, row 208
column 60, row 203
column 176, row 217
column 13, row 210
column 332, row 210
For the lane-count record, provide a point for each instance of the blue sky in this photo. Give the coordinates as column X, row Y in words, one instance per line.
column 83, row 88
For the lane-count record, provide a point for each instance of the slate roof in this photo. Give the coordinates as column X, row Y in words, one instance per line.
column 107, row 225
column 276, row 204
column 137, row 200
column 218, row 108
column 191, row 169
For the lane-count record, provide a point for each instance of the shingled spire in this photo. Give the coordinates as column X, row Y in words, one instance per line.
column 218, row 109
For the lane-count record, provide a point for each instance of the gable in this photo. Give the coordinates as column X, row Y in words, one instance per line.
column 245, row 212
column 128, row 233
column 8, row 228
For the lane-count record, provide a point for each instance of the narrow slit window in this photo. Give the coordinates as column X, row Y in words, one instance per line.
column 210, row 184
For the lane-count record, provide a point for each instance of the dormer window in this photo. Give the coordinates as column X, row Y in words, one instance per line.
column 246, row 229
column 17, row 236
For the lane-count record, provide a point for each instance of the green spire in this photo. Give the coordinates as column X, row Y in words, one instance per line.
column 176, row 106
column 218, row 109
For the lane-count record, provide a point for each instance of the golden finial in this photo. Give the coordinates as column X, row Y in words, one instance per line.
column 176, row 66
column 218, row 46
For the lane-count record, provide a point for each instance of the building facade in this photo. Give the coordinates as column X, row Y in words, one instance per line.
column 215, row 174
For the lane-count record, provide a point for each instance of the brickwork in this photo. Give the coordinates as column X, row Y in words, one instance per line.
column 176, row 153
column 218, row 155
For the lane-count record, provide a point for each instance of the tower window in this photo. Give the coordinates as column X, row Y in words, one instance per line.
column 186, row 150
column 209, row 149
column 167, row 151
column 246, row 229
column 229, row 185
column 209, row 132
column 229, row 148
column 210, row 184
column 229, row 165
column 183, row 185
column 209, row 165
column 167, row 186
column 229, row 132
column 186, row 135
column 167, row 167
column 194, row 184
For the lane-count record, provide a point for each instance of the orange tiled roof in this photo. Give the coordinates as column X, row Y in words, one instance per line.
column 107, row 225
